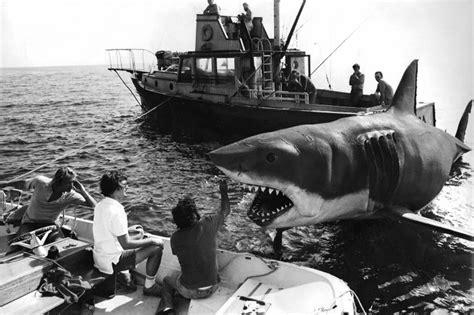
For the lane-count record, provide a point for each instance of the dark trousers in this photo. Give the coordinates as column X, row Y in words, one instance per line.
column 356, row 95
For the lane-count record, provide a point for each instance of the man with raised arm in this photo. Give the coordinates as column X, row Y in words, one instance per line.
column 50, row 197
column 195, row 245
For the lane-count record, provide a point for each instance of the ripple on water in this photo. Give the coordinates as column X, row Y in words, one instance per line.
column 393, row 267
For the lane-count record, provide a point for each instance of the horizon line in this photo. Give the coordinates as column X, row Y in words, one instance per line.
column 55, row 66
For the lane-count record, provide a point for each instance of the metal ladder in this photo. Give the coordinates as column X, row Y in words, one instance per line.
column 267, row 63
column 267, row 69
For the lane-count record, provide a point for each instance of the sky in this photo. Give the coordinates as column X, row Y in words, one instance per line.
column 389, row 35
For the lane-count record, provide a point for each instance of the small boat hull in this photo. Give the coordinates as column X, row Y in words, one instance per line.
column 278, row 287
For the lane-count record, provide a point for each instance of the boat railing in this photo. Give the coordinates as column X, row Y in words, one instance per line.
column 261, row 44
column 132, row 60
column 296, row 97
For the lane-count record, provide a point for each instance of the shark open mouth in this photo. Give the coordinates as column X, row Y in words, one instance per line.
column 269, row 203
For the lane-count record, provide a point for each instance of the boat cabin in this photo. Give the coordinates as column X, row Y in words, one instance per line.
column 237, row 81
column 229, row 57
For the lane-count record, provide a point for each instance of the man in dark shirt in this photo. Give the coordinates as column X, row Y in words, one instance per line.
column 384, row 92
column 195, row 245
column 294, row 84
column 212, row 8
column 356, row 82
column 300, row 83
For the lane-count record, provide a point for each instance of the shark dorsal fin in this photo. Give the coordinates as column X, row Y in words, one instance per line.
column 404, row 99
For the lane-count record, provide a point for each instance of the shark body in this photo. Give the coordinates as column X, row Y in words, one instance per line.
column 353, row 168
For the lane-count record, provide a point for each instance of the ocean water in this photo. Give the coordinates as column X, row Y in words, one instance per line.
column 84, row 117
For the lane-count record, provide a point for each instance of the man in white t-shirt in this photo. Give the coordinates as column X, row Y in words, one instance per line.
column 114, row 249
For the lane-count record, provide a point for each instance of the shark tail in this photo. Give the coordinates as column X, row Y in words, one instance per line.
column 408, row 215
column 461, row 132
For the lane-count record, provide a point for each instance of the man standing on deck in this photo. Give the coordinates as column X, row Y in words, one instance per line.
column 246, row 17
column 356, row 82
column 212, row 8
column 384, row 92
column 114, row 249
column 195, row 245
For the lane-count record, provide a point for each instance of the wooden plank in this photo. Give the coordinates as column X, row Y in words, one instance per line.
column 20, row 276
column 32, row 303
column 23, row 274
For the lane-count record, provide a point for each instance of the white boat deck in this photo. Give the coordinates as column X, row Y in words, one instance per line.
column 246, row 281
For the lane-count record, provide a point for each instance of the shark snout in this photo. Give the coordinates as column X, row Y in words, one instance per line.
column 221, row 158
column 229, row 157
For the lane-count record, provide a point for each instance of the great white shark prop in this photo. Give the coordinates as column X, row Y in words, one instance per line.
column 359, row 167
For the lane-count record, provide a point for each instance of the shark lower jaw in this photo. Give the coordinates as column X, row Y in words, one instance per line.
column 268, row 204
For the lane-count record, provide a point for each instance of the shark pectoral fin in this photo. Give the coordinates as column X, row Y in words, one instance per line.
column 409, row 216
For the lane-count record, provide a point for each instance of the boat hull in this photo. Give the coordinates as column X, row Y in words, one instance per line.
column 181, row 115
column 230, row 121
column 283, row 288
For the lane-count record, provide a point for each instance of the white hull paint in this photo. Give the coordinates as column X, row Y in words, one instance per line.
column 285, row 288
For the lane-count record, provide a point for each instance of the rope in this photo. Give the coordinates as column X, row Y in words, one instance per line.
column 333, row 304
column 136, row 99
column 157, row 106
column 358, row 301
column 348, row 36
column 272, row 265
column 89, row 143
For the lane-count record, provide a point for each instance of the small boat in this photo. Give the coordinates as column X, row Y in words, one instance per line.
column 247, row 282
column 235, row 82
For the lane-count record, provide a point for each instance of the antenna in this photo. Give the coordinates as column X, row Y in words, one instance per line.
column 348, row 36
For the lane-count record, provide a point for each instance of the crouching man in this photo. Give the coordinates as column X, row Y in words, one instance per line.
column 195, row 245
column 114, row 249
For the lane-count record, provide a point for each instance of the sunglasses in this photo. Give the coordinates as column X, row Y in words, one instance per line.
column 123, row 185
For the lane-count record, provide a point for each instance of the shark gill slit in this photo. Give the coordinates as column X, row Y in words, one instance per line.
column 383, row 167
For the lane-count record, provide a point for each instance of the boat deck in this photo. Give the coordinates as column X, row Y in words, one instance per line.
column 246, row 281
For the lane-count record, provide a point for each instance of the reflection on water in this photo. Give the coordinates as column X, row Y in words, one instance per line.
column 393, row 267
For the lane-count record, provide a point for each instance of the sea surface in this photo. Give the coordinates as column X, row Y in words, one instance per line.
column 84, row 117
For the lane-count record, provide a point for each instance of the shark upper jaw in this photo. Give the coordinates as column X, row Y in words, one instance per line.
column 272, row 199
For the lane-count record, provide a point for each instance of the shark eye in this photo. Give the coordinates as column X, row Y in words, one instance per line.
column 270, row 157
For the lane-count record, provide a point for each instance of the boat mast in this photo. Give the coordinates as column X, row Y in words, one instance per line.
column 276, row 24
column 293, row 27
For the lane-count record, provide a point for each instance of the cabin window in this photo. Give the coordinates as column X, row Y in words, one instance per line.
column 185, row 72
column 225, row 69
column 204, row 67
column 258, row 73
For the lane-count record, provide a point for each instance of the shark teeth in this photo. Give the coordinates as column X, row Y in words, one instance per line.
column 256, row 188
column 269, row 203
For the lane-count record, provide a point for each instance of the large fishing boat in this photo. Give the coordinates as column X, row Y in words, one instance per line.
column 248, row 284
column 236, row 82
